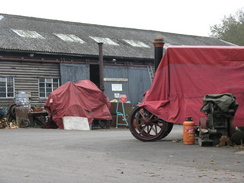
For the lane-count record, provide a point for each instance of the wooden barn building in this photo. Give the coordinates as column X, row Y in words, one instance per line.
column 38, row 55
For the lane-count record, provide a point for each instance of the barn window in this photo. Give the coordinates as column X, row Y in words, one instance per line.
column 69, row 38
column 6, row 87
column 28, row 34
column 104, row 40
column 135, row 43
column 47, row 85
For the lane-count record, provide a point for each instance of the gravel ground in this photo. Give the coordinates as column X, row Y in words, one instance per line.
column 112, row 155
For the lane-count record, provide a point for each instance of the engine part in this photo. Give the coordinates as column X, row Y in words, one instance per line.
column 220, row 110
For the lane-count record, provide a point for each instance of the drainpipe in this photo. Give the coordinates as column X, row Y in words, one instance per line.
column 101, row 80
column 158, row 50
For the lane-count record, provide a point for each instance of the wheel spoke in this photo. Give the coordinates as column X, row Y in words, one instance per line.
column 156, row 124
column 139, row 119
column 148, row 130
column 151, row 116
column 146, row 133
column 139, row 125
column 156, row 119
column 142, row 129
column 155, row 129
column 142, row 114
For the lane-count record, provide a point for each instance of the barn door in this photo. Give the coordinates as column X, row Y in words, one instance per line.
column 74, row 72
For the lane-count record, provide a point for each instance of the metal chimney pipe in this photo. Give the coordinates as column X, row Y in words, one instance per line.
column 158, row 50
column 101, row 80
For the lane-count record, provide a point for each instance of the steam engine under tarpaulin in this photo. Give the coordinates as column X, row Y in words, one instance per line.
column 184, row 76
column 82, row 99
column 187, row 73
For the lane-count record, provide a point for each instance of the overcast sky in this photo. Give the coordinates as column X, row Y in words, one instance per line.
column 193, row 17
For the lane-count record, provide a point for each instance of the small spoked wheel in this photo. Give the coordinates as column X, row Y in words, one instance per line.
column 145, row 126
column 25, row 123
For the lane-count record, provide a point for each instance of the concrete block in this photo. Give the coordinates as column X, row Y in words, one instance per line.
column 75, row 123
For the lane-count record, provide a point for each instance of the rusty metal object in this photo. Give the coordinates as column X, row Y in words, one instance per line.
column 22, row 116
column 225, row 141
column 217, row 128
column 101, row 76
column 238, row 136
column 38, row 119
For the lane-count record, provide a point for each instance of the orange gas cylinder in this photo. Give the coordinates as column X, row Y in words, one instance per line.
column 188, row 131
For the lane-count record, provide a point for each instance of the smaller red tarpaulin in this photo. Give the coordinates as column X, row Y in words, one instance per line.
column 83, row 99
column 187, row 73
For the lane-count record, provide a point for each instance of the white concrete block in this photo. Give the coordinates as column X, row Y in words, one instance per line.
column 75, row 123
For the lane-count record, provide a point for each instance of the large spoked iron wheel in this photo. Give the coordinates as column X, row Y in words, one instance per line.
column 145, row 126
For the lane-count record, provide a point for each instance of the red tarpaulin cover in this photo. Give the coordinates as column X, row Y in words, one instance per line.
column 186, row 74
column 83, row 99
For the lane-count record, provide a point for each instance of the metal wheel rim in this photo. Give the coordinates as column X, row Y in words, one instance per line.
column 146, row 126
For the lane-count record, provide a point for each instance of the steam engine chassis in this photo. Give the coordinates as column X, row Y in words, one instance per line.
column 185, row 75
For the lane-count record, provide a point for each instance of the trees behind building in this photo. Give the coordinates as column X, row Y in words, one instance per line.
column 231, row 28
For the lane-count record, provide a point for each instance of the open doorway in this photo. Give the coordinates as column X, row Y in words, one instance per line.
column 94, row 74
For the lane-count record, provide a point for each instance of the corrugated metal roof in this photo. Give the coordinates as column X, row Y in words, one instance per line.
column 53, row 36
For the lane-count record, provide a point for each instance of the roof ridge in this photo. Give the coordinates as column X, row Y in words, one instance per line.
column 74, row 22
column 97, row 25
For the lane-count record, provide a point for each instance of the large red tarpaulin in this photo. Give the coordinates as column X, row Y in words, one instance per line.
column 83, row 99
column 186, row 74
